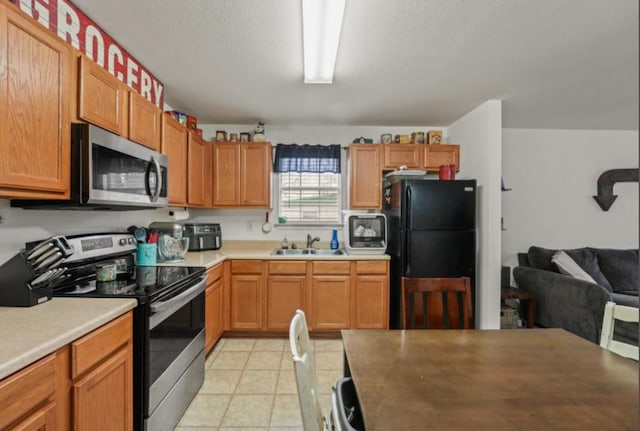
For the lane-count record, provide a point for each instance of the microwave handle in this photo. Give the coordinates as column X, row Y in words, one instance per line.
column 156, row 195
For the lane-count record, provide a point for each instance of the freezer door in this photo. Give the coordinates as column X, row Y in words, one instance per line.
column 438, row 205
column 439, row 254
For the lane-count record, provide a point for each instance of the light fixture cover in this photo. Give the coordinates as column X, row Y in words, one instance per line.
column 321, row 26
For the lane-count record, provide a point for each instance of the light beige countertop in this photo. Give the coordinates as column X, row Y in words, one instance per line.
column 31, row 333
column 260, row 250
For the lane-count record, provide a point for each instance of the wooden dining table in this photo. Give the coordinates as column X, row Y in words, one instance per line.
column 519, row 379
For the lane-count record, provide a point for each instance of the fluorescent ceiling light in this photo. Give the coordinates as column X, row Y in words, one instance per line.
column 321, row 25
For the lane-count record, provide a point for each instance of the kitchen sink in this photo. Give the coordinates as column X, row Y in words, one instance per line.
column 308, row 251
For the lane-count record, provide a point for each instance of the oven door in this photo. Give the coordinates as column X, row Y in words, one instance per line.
column 175, row 365
column 120, row 171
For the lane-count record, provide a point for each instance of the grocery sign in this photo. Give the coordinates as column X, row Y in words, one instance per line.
column 71, row 25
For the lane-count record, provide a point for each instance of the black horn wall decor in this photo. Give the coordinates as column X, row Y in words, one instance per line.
column 607, row 179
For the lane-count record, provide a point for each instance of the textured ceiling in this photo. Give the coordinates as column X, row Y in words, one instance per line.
column 554, row 63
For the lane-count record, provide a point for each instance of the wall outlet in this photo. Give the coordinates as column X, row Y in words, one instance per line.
column 249, row 226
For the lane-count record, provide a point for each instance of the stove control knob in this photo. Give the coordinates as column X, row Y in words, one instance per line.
column 123, row 241
column 131, row 241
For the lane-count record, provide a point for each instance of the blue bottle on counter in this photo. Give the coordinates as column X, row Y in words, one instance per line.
column 334, row 240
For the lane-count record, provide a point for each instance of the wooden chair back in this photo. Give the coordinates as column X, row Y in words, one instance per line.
column 613, row 312
column 436, row 303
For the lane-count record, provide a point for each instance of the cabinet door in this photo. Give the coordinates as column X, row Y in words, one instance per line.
column 102, row 97
column 144, row 121
column 103, row 399
column 246, row 301
column 213, row 314
column 365, row 176
column 208, row 175
column 35, row 88
column 285, row 294
column 394, row 156
column 372, row 302
column 255, row 174
column 174, row 146
column 226, row 174
column 196, row 185
column 436, row 155
column 44, row 419
column 330, row 302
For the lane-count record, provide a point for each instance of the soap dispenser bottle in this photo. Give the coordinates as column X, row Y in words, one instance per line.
column 334, row 240
column 285, row 244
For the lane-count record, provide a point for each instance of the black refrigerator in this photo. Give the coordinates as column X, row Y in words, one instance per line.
column 431, row 229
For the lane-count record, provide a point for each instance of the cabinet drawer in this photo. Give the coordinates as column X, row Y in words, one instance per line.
column 246, row 266
column 24, row 390
column 214, row 273
column 371, row 267
column 331, row 267
column 93, row 348
column 287, row 267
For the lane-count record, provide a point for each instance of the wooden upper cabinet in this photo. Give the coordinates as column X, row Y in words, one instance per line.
column 196, row 151
column 365, row 176
column 436, row 155
column 174, row 146
column 242, row 174
column 208, row 174
column 102, row 98
column 226, row 174
column 35, row 87
column 144, row 121
column 396, row 155
column 255, row 174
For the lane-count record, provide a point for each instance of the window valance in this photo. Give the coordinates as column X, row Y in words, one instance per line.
column 307, row 158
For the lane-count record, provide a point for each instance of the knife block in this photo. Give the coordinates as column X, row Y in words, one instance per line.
column 15, row 290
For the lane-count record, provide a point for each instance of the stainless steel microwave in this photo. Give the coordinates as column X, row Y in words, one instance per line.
column 109, row 172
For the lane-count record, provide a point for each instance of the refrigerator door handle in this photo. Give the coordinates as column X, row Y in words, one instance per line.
column 407, row 247
column 407, row 213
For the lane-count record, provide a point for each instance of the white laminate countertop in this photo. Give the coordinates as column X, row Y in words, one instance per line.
column 259, row 250
column 31, row 333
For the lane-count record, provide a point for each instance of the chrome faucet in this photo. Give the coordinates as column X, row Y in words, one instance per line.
column 311, row 240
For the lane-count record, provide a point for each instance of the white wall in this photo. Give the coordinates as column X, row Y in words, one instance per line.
column 553, row 174
column 479, row 134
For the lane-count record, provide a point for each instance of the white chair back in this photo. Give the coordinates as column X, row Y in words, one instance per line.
column 305, row 369
column 613, row 312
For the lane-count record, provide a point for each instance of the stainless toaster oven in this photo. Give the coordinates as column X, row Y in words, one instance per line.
column 203, row 236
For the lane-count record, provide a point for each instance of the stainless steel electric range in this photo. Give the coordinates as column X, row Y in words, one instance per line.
column 168, row 347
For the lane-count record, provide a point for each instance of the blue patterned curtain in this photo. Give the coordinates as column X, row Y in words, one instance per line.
column 307, row 158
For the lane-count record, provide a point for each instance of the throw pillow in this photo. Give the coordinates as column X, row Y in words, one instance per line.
column 587, row 259
column 621, row 269
column 568, row 266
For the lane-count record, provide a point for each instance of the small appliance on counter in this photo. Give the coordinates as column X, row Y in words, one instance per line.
column 28, row 277
column 203, row 236
column 366, row 233
column 172, row 244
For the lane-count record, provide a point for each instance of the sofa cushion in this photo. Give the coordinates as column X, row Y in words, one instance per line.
column 621, row 269
column 585, row 257
column 568, row 266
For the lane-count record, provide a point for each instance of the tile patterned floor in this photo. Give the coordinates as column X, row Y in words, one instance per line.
column 250, row 385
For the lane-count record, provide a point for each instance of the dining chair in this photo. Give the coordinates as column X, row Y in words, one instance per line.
column 436, row 303
column 613, row 312
column 306, row 379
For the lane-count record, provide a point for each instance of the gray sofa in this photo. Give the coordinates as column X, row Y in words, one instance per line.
column 563, row 301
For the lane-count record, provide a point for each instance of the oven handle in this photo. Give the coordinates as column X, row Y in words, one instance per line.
column 156, row 195
column 160, row 310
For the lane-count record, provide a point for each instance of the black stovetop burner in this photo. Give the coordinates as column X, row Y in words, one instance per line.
column 145, row 283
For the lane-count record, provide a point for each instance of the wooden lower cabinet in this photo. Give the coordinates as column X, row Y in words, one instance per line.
column 103, row 399
column 213, row 322
column 372, row 302
column 330, row 302
column 85, row 385
column 246, row 301
column 285, row 294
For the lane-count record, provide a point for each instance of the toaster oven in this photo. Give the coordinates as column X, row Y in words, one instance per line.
column 203, row 236
column 366, row 233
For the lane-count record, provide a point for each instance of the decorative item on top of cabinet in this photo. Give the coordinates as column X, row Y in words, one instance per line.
column 434, row 137
column 36, row 71
column 365, row 179
column 258, row 135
